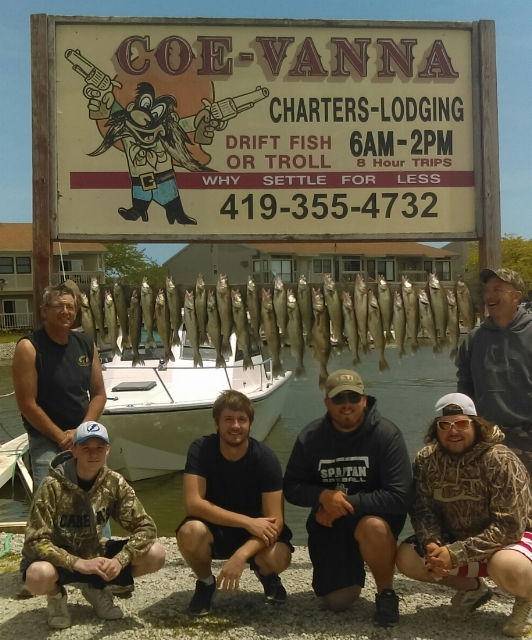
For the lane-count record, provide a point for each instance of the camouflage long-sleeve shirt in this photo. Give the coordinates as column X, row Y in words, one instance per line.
column 475, row 504
column 65, row 522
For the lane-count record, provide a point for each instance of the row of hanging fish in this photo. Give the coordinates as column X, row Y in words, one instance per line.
column 330, row 317
column 324, row 318
column 210, row 317
column 107, row 308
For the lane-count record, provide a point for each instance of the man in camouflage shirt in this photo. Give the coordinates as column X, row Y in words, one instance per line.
column 64, row 542
column 472, row 515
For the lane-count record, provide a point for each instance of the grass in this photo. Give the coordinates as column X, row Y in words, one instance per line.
column 9, row 336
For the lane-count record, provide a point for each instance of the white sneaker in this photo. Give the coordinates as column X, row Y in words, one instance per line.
column 102, row 601
column 517, row 624
column 464, row 602
column 58, row 616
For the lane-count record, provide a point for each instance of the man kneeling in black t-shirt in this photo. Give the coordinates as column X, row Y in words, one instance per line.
column 234, row 501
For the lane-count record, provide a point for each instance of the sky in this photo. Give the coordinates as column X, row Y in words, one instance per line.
column 513, row 23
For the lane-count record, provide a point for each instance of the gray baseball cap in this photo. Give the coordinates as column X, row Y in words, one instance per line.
column 88, row 430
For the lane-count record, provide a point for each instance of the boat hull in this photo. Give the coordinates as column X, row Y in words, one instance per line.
column 154, row 441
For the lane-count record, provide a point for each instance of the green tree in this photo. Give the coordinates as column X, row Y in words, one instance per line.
column 516, row 255
column 131, row 264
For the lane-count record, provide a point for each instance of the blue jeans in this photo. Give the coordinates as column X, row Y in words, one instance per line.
column 42, row 452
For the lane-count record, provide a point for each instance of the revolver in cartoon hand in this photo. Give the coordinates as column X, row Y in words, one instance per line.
column 219, row 113
column 98, row 85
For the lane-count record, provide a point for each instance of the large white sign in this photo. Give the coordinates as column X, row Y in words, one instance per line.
column 194, row 130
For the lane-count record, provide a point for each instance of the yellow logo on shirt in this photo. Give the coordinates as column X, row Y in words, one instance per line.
column 84, row 361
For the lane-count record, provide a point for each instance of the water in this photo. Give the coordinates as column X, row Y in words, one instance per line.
column 405, row 395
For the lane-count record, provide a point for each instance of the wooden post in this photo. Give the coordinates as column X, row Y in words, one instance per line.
column 41, row 152
column 490, row 243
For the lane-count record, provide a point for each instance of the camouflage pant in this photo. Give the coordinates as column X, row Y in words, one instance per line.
column 518, row 438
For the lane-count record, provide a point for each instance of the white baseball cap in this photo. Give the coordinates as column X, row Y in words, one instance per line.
column 89, row 430
column 464, row 402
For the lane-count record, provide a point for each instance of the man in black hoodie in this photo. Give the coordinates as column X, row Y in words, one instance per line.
column 495, row 362
column 352, row 468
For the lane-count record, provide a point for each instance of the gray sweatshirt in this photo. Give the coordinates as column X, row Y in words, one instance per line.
column 495, row 370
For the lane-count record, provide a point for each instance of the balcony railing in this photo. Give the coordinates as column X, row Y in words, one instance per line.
column 79, row 277
column 351, row 276
column 417, row 276
column 16, row 320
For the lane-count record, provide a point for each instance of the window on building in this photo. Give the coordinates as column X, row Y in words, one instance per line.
column 386, row 268
column 322, row 265
column 443, row 269
column 370, row 264
column 351, row 264
column 15, row 314
column 282, row 266
column 7, row 265
column 23, row 264
column 215, row 269
column 427, row 266
column 72, row 265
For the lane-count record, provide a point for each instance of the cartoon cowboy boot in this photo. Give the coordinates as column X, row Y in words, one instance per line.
column 138, row 210
column 175, row 213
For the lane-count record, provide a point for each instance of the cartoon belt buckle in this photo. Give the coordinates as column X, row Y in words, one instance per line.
column 147, row 181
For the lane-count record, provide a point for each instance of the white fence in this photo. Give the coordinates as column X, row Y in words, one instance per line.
column 79, row 277
column 16, row 320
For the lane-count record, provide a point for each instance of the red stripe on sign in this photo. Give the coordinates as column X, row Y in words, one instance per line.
column 311, row 180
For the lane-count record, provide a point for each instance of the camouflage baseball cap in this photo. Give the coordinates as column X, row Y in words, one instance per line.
column 343, row 380
column 508, row 275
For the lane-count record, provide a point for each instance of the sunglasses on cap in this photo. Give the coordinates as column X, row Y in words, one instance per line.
column 351, row 396
column 460, row 425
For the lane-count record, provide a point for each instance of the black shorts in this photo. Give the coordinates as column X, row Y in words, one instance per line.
column 228, row 539
column 112, row 548
column 335, row 554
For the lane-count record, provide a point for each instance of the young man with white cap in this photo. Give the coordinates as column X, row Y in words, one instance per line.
column 64, row 543
column 495, row 362
column 472, row 515
column 352, row 467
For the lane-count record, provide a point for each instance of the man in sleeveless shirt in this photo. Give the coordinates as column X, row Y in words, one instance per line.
column 58, row 380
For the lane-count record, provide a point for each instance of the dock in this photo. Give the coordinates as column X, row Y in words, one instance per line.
column 11, row 460
column 10, row 454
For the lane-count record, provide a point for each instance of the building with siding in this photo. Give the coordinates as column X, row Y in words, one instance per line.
column 343, row 260
column 78, row 261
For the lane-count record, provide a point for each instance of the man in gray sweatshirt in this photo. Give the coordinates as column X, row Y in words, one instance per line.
column 495, row 362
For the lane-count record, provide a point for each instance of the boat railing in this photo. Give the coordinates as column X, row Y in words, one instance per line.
column 265, row 375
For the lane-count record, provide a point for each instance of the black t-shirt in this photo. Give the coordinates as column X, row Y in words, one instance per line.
column 235, row 486
column 63, row 378
column 86, row 485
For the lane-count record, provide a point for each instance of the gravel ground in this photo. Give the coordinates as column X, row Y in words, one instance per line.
column 157, row 609
column 7, row 350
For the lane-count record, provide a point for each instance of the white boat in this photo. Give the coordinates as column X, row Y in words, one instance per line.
column 154, row 412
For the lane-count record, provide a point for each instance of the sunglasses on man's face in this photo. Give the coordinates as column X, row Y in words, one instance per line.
column 460, row 425
column 351, row 396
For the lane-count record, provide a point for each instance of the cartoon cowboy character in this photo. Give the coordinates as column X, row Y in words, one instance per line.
column 152, row 135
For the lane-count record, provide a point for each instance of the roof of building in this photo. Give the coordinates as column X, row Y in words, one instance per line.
column 377, row 249
column 18, row 236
